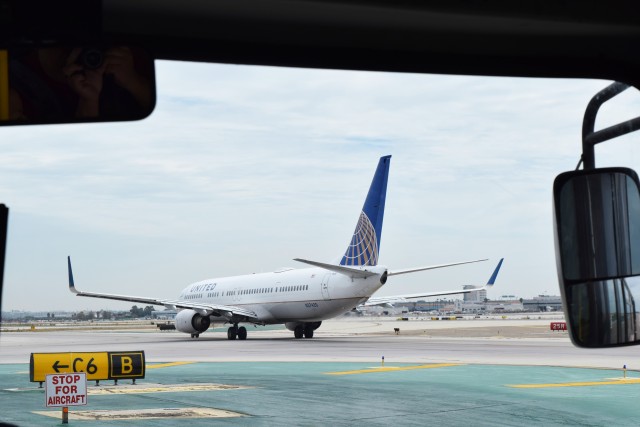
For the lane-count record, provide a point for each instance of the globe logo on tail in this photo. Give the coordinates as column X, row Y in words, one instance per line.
column 363, row 249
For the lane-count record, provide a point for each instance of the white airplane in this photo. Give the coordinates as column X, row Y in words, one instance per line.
column 298, row 298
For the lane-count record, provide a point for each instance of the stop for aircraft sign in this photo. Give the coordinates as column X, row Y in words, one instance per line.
column 66, row 389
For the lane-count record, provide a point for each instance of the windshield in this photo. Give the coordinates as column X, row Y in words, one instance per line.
column 241, row 169
column 254, row 163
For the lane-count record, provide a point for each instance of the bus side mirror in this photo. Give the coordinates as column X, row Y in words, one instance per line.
column 597, row 239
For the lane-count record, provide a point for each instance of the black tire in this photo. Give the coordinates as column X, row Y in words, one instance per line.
column 308, row 331
column 231, row 333
column 242, row 333
column 298, row 332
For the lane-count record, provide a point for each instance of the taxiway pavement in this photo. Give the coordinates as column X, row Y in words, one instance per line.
column 491, row 341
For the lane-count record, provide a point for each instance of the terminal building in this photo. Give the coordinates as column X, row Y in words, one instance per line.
column 543, row 303
column 474, row 297
column 478, row 303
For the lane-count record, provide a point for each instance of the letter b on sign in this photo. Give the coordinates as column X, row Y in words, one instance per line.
column 127, row 365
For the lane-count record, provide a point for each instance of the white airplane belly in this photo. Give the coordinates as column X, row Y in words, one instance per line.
column 303, row 310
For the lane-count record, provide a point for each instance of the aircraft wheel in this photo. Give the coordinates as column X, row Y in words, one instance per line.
column 231, row 333
column 242, row 333
column 298, row 332
column 308, row 331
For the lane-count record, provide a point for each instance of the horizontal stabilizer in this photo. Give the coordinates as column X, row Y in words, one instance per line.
column 347, row 271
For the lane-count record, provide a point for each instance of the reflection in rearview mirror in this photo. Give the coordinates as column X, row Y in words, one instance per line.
column 78, row 84
column 603, row 313
column 597, row 226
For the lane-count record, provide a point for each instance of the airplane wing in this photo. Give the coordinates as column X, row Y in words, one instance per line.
column 430, row 267
column 362, row 272
column 203, row 309
column 403, row 298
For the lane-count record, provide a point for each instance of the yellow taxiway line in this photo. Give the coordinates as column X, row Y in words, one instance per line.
column 613, row 381
column 167, row 365
column 393, row 369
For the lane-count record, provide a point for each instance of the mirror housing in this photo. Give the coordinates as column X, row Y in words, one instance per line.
column 62, row 84
column 59, row 65
column 597, row 238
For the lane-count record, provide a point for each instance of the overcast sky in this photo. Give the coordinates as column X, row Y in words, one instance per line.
column 241, row 169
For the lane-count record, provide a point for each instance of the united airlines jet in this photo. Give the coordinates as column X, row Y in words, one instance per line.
column 298, row 298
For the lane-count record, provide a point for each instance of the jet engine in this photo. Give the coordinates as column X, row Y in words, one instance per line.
column 190, row 322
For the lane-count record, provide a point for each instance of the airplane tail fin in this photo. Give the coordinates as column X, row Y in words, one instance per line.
column 365, row 243
column 493, row 277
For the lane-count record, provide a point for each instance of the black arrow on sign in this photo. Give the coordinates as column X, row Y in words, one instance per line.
column 57, row 365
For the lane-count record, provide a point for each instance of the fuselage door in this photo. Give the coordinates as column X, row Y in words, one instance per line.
column 325, row 286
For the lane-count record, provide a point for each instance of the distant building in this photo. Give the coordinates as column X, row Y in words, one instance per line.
column 470, row 307
column 501, row 306
column 543, row 303
column 165, row 314
column 477, row 296
column 35, row 315
column 475, row 302
column 439, row 305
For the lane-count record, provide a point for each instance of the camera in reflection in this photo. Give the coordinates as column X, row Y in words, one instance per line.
column 91, row 58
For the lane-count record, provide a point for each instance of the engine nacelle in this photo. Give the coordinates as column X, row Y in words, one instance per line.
column 190, row 322
column 292, row 325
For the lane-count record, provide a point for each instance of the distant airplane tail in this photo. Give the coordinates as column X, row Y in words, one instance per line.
column 365, row 243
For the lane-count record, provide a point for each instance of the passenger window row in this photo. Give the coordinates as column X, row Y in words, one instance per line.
column 296, row 288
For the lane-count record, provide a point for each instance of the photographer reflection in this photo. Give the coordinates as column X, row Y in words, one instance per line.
column 604, row 312
column 61, row 84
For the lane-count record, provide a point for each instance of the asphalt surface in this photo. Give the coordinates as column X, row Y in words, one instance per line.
column 336, row 378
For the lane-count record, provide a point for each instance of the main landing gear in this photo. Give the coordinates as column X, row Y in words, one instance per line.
column 303, row 330
column 195, row 335
column 237, row 332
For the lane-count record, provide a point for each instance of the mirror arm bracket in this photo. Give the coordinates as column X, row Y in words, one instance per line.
column 589, row 137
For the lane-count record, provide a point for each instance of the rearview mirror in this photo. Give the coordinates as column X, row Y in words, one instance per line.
column 61, row 84
column 597, row 235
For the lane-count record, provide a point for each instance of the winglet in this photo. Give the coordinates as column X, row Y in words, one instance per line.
column 493, row 277
column 72, row 287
